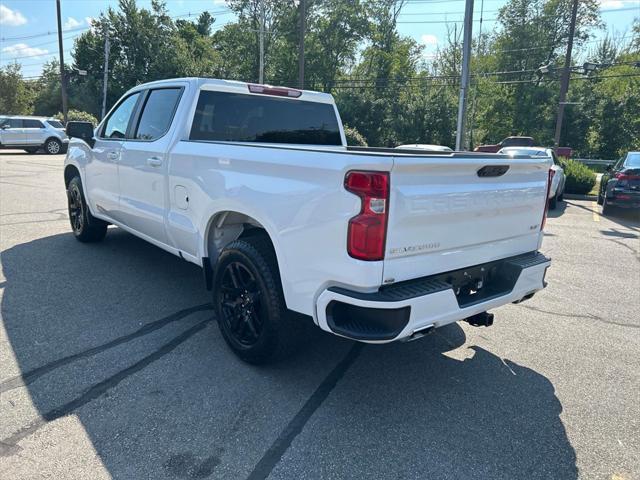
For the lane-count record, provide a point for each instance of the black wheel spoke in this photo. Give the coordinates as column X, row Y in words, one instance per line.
column 252, row 323
column 75, row 210
column 239, row 297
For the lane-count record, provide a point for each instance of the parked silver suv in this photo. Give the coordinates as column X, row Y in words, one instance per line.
column 33, row 133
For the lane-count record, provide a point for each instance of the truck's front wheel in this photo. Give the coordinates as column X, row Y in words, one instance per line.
column 249, row 303
column 86, row 228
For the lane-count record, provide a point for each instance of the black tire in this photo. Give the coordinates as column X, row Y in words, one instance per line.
column 86, row 228
column 53, row 146
column 553, row 202
column 600, row 198
column 249, row 303
column 561, row 196
column 31, row 150
column 606, row 208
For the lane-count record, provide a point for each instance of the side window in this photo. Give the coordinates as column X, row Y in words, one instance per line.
column 157, row 113
column 14, row 123
column 118, row 121
column 55, row 123
column 618, row 164
column 28, row 123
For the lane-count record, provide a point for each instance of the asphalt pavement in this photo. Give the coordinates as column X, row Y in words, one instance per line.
column 112, row 366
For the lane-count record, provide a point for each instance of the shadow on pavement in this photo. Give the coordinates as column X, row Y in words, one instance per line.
column 558, row 211
column 120, row 335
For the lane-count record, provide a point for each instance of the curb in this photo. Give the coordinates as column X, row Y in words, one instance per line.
column 575, row 196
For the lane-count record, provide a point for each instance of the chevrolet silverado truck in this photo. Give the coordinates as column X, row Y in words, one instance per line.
column 256, row 185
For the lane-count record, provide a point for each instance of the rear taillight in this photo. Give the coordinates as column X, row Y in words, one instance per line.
column 546, row 205
column 368, row 230
column 624, row 178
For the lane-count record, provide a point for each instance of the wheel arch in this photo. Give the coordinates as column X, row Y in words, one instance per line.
column 225, row 226
column 70, row 171
column 51, row 137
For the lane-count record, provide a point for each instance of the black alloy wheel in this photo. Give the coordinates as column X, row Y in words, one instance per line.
column 241, row 304
column 76, row 209
column 86, row 227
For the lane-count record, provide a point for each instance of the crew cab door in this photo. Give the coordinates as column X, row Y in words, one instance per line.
column 12, row 132
column 101, row 171
column 143, row 164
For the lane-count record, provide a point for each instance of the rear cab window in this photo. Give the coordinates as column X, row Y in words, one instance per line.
column 237, row 117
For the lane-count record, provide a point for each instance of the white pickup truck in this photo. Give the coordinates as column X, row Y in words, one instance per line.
column 256, row 184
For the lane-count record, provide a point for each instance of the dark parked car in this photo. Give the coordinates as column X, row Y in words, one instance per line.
column 620, row 184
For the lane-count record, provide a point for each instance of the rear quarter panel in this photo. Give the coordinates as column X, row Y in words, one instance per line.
column 296, row 194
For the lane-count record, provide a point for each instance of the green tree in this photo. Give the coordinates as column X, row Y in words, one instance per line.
column 16, row 96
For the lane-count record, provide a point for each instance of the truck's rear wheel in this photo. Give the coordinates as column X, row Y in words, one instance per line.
column 249, row 303
column 86, row 228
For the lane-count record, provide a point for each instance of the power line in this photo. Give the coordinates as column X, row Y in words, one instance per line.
column 79, row 29
column 45, row 34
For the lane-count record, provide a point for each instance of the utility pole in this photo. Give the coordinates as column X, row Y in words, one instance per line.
column 303, row 26
column 63, row 77
column 564, row 82
column 105, row 77
column 261, row 73
column 464, row 81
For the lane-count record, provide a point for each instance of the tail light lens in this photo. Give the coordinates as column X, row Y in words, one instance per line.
column 367, row 232
column 624, row 178
column 552, row 172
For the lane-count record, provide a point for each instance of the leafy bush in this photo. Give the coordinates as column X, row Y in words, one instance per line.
column 354, row 137
column 78, row 116
column 580, row 179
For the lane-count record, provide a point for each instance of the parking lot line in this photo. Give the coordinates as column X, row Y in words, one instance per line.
column 594, row 211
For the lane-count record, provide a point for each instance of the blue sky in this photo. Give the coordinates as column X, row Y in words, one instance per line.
column 28, row 27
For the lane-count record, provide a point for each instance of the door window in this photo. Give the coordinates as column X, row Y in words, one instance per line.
column 29, row 123
column 13, row 123
column 118, row 122
column 158, row 113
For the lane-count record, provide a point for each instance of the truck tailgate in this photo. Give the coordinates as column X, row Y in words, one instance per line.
column 445, row 215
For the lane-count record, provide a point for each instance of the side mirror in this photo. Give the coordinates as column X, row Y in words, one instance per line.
column 609, row 168
column 81, row 130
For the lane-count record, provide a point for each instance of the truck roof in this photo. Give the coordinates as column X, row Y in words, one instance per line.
column 233, row 86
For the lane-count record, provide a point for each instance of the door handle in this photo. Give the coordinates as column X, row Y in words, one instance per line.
column 113, row 156
column 154, row 161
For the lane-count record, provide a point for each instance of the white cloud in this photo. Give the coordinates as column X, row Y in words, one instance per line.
column 428, row 39
column 430, row 43
column 11, row 18
column 23, row 50
column 71, row 23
